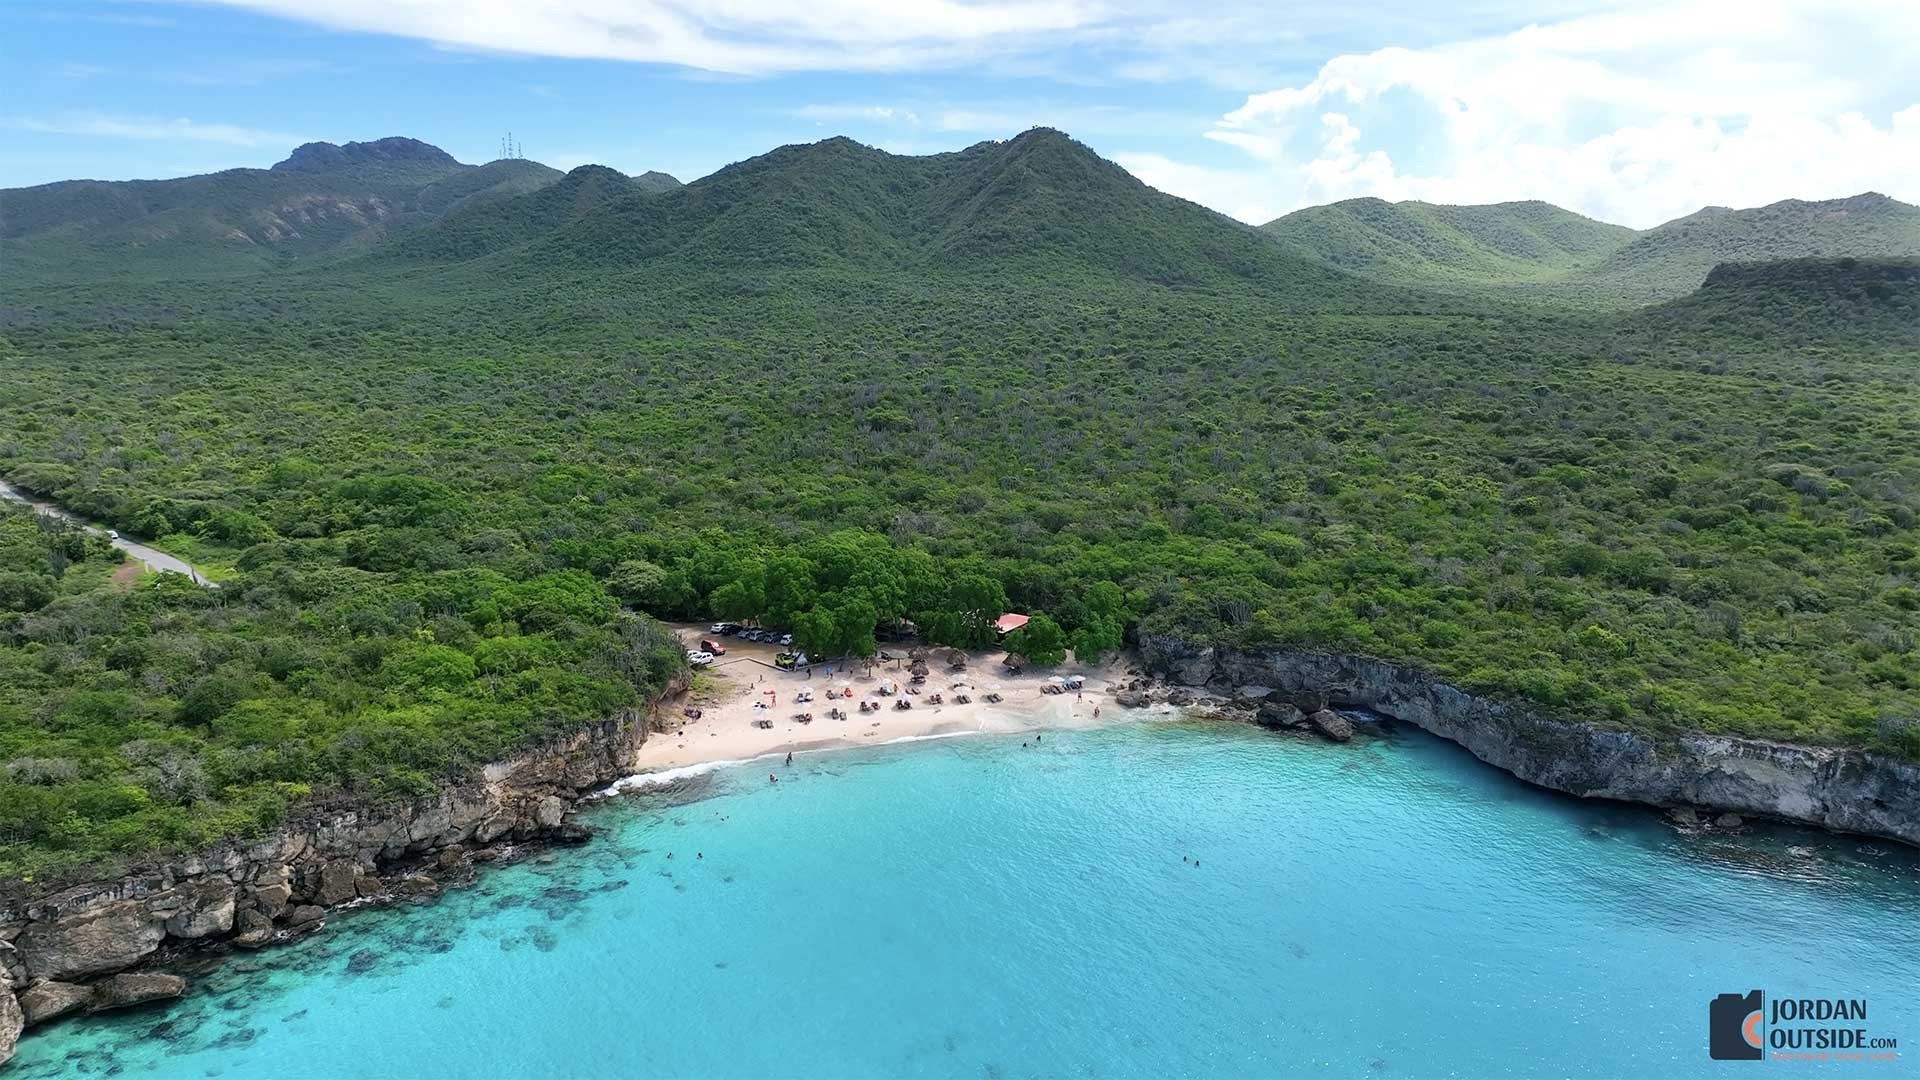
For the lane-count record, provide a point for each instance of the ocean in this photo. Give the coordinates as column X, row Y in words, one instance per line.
column 1152, row 899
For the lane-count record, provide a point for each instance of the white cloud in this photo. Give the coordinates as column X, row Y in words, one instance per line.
column 742, row 37
column 1245, row 194
column 175, row 130
column 999, row 119
column 837, row 114
column 1637, row 116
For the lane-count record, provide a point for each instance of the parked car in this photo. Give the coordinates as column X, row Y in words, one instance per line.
column 712, row 646
column 699, row 659
column 113, row 534
column 723, row 628
column 786, row 661
column 786, row 639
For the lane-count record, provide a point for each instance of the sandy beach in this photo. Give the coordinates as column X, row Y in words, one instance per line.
column 743, row 686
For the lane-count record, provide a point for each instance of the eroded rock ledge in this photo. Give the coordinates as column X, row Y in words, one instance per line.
column 71, row 951
column 1845, row 790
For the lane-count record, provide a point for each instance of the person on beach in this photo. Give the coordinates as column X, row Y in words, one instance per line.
column 789, row 757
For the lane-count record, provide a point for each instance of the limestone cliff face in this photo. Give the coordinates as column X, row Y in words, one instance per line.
column 54, row 950
column 1846, row 790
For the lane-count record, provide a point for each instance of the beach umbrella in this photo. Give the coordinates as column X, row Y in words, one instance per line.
column 919, row 668
column 956, row 658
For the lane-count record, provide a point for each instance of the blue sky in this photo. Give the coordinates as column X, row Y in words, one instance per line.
column 1633, row 112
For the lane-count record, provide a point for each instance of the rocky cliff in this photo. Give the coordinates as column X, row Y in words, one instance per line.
column 70, row 951
column 1845, row 790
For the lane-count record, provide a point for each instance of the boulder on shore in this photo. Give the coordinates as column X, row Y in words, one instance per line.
column 417, row 885
column 1279, row 714
column 108, row 937
column 255, row 929
column 305, row 913
column 1332, row 725
column 272, row 899
column 45, row 1001
column 206, row 909
column 1131, row 699
column 135, row 988
column 336, row 883
column 12, row 1023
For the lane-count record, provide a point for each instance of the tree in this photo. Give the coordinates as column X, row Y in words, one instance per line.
column 742, row 598
column 649, row 585
column 788, row 588
column 1041, row 641
column 964, row 614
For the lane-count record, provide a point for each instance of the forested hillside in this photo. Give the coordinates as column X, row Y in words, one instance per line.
column 831, row 387
column 1418, row 242
column 322, row 200
column 1549, row 256
column 1674, row 258
column 1040, row 207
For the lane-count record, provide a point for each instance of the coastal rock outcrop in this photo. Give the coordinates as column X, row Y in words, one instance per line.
column 206, row 907
column 12, row 1023
column 334, row 884
column 1280, row 714
column 134, row 988
column 1332, row 725
column 91, row 939
column 72, row 949
column 1846, row 790
column 44, row 1001
column 253, row 929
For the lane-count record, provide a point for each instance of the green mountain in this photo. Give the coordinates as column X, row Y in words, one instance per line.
column 1424, row 242
column 1871, row 303
column 1039, row 204
column 322, row 200
column 1542, row 252
column 1673, row 259
column 482, row 227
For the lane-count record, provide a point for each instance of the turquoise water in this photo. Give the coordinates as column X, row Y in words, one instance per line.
column 976, row 908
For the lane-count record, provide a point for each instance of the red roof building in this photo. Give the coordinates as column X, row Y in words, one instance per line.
column 1008, row 623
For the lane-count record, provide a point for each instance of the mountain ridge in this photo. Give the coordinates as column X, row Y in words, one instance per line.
column 1546, row 251
column 1039, row 199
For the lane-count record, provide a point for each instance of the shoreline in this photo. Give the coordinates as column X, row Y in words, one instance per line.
column 729, row 694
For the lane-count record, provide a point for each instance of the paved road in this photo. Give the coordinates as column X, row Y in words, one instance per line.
column 153, row 557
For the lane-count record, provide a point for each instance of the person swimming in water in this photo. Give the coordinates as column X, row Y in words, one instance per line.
column 772, row 779
column 789, row 757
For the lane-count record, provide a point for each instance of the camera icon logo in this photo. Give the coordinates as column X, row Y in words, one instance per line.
column 1735, row 1027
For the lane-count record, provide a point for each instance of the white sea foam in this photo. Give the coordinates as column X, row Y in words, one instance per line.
column 663, row 777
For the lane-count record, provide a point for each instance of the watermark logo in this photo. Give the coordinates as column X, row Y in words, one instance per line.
column 1749, row 1027
column 1736, row 1027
